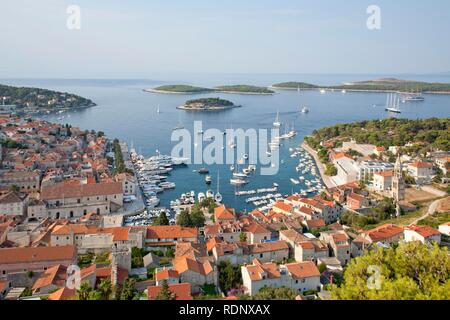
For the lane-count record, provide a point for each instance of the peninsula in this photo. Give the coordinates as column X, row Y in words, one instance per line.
column 378, row 85
column 38, row 100
column 207, row 104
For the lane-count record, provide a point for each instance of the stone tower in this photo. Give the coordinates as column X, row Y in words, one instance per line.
column 121, row 257
column 398, row 184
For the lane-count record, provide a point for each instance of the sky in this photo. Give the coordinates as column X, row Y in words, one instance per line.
column 140, row 38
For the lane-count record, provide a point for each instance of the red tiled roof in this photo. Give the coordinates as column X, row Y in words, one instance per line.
column 38, row 254
column 63, row 190
column 424, row 231
column 306, row 269
column 384, row 232
column 169, row 232
column 182, row 291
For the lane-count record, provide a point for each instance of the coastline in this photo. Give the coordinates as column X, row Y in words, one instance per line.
column 326, row 179
column 183, row 107
column 210, row 91
column 357, row 90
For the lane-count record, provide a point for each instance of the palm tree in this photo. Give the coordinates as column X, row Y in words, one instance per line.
column 105, row 289
column 84, row 293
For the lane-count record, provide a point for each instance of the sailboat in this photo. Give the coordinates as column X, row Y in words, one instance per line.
column 305, row 110
column 157, row 110
column 393, row 104
column 179, row 126
column 218, row 196
column 277, row 122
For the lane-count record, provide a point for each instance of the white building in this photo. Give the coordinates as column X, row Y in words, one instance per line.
column 445, row 229
column 299, row 276
column 422, row 172
column 424, row 234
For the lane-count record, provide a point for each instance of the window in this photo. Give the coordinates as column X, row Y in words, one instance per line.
column 78, row 200
column 261, row 255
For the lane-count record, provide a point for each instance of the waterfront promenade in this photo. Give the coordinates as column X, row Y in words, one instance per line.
column 326, row 179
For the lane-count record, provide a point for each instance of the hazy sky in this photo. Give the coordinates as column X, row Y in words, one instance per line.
column 139, row 38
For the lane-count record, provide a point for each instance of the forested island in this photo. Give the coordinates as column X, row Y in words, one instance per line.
column 208, row 104
column 179, row 89
column 417, row 136
column 188, row 89
column 381, row 85
column 40, row 100
column 245, row 89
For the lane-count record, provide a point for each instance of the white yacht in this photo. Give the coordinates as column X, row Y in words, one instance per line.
column 218, row 196
column 209, row 194
column 201, row 196
column 295, row 181
column 277, row 122
column 393, row 104
column 305, row 110
column 238, row 181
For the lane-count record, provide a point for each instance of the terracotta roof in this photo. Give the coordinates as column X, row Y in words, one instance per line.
column 255, row 228
column 224, row 213
column 63, row 190
column 293, row 235
column 182, row 291
column 306, row 269
column 286, row 207
column 55, row 275
column 38, row 254
column 11, row 197
column 267, row 247
column 169, row 232
column 419, row 164
column 315, row 224
column 63, row 294
column 259, row 271
column 356, row 197
column 384, row 232
column 385, row 174
column 166, row 274
column 190, row 249
column 306, row 210
column 105, row 272
column 182, row 264
column 424, row 231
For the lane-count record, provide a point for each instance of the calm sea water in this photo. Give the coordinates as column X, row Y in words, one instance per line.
column 126, row 112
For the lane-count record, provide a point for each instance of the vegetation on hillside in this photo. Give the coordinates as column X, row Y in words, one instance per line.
column 245, row 89
column 426, row 134
column 26, row 96
column 181, row 88
column 409, row 271
column 294, row 85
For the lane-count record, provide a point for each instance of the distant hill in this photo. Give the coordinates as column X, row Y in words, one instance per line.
column 383, row 84
column 179, row 88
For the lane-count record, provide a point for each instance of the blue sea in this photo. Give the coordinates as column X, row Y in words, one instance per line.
column 126, row 112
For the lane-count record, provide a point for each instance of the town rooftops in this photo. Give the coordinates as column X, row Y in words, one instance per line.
column 267, row 247
column 38, row 254
column 166, row 274
column 259, row 271
column 255, row 228
column 384, row 232
column 293, row 235
column 65, row 190
column 224, row 213
column 11, row 197
column 55, row 275
column 305, row 269
column 283, row 206
column 170, row 232
column 63, row 294
column 385, row 174
column 420, row 164
column 424, row 231
column 182, row 291
column 356, row 197
column 183, row 264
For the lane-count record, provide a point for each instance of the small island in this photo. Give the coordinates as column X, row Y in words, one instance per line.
column 244, row 89
column 188, row 89
column 207, row 104
column 179, row 89
column 377, row 85
column 28, row 100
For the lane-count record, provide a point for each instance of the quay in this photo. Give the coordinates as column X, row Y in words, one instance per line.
column 329, row 183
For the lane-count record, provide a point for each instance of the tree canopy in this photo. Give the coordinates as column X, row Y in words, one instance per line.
column 409, row 271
